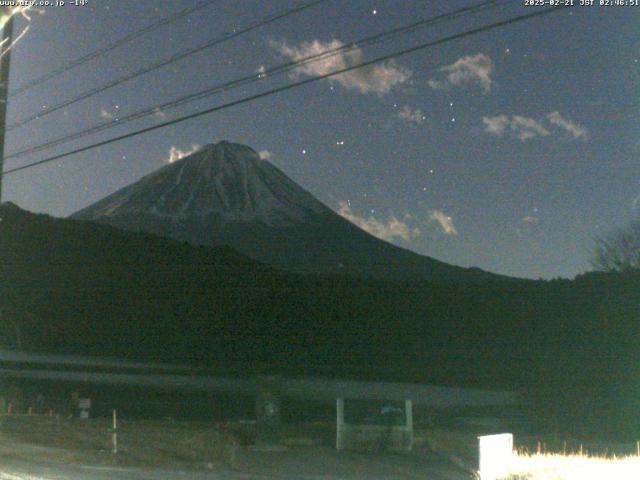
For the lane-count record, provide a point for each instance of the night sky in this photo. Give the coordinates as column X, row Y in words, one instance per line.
column 509, row 150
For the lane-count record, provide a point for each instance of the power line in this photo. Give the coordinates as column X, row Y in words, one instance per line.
column 251, row 98
column 282, row 68
column 163, row 63
column 118, row 43
column 253, row 78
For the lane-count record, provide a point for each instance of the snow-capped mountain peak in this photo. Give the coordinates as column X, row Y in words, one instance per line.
column 225, row 194
column 225, row 180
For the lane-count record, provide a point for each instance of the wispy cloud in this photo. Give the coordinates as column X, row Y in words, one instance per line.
column 523, row 128
column 496, row 125
column 176, row 154
column 472, row 69
column 378, row 78
column 526, row 128
column 410, row 115
column 445, row 222
column 389, row 230
column 573, row 128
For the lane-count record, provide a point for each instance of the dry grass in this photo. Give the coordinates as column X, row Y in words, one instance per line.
column 613, row 462
column 573, row 467
column 140, row 443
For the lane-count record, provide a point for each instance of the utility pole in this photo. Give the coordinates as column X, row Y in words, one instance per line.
column 5, row 60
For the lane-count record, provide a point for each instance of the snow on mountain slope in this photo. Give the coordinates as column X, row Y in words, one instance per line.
column 227, row 180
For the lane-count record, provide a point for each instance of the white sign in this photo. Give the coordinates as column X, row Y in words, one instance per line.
column 496, row 452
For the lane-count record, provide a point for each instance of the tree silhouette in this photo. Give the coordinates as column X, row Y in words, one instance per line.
column 619, row 251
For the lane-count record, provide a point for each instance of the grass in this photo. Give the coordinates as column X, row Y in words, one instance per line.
column 541, row 458
column 541, row 466
column 140, row 443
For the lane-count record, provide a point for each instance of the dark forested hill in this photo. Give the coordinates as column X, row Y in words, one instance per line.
column 76, row 287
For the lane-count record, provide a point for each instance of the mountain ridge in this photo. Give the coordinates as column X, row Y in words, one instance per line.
column 224, row 194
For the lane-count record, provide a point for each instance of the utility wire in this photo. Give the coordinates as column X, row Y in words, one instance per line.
column 224, row 87
column 108, row 48
column 163, row 63
column 285, row 88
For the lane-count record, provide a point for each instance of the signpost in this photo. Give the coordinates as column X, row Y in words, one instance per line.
column 495, row 452
column 84, row 405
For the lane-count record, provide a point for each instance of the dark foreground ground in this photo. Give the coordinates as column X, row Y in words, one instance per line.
column 39, row 448
column 297, row 463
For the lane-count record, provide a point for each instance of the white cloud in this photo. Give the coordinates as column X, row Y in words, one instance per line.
column 496, row 125
column 392, row 229
column 523, row 128
column 176, row 154
column 445, row 222
column 265, row 155
column 410, row 115
column 573, row 128
column 377, row 78
column 526, row 128
column 467, row 70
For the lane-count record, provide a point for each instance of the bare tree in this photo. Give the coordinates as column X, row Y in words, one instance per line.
column 619, row 251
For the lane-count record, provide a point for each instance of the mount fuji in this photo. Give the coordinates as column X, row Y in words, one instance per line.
column 225, row 194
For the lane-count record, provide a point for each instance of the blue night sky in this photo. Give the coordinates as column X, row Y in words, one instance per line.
column 509, row 150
